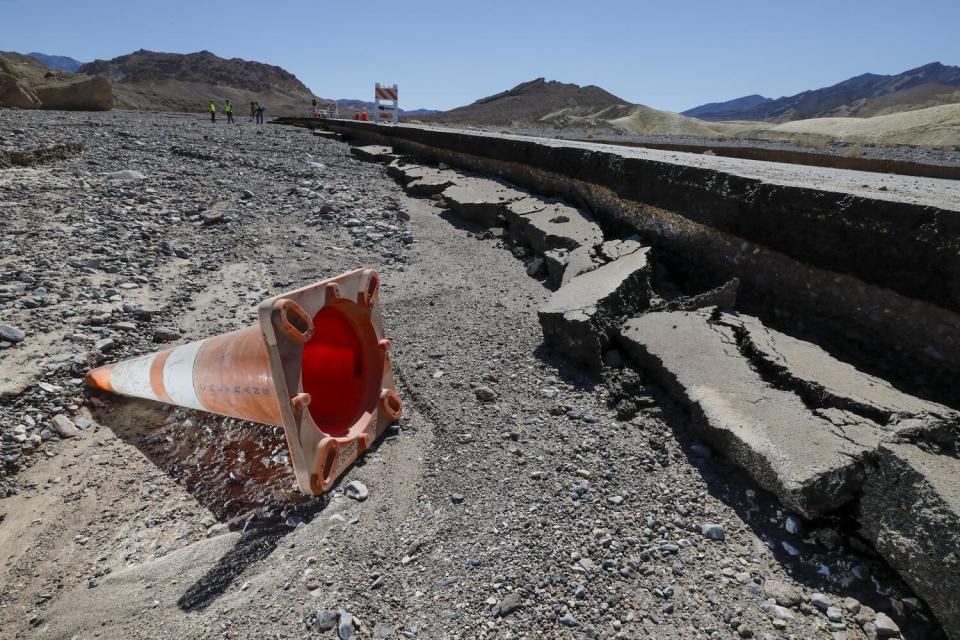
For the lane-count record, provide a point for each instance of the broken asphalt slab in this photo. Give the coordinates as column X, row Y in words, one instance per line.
column 580, row 317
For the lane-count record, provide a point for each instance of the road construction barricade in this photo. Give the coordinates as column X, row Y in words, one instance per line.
column 316, row 364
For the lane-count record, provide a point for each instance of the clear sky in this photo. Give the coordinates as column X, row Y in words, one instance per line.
column 666, row 54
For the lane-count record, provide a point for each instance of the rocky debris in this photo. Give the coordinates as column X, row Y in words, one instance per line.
column 724, row 297
column 38, row 154
column 357, row 491
column 910, row 512
column 581, row 317
column 563, row 265
column 713, row 531
column 374, row 153
column 485, row 394
column 482, row 201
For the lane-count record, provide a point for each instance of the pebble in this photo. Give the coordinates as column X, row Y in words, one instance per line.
column 569, row 621
column 485, row 394
column 127, row 175
column 713, row 531
column 345, row 628
column 64, row 426
column 11, row 333
column 357, row 491
column 820, row 601
column 886, row 627
column 509, row 604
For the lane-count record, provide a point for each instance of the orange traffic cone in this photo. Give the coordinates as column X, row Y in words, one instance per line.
column 316, row 364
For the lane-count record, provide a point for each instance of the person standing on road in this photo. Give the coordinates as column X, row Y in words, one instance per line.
column 213, row 111
column 228, row 109
column 260, row 109
column 253, row 110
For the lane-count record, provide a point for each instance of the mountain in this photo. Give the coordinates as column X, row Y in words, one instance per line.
column 57, row 62
column 862, row 96
column 26, row 83
column 539, row 103
column 152, row 81
column 714, row 108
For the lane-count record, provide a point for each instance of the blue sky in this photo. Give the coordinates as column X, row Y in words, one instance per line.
column 666, row 54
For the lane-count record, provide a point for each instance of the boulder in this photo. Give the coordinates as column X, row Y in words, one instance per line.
column 79, row 93
column 15, row 93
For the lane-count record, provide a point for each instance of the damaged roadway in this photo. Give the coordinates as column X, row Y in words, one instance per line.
column 512, row 498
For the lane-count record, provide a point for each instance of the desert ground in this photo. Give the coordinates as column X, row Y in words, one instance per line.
column 536, row 511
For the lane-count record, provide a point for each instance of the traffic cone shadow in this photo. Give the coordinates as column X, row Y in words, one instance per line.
column 316, row 364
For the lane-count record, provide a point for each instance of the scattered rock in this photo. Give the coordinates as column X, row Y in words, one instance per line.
column 357, row 491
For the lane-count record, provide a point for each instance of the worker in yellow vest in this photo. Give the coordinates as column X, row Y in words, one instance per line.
column 228, row 109
column 213, row 111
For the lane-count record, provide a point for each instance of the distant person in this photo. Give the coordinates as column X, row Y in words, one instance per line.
column 253, row 110
column 228, row 109
column 213, row 111
column 259, row 111
column 356, row 115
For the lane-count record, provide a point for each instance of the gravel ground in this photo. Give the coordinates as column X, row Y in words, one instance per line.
column 515, row 498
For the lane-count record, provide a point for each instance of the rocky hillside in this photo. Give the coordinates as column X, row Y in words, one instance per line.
column 26, row 83
column 538, row 103
column 862, row 96
column 147, row 80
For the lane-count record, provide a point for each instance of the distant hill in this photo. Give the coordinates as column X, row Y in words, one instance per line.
column 540, row 103
column 862, row 96
column 715, row 108
column 152, row 81
column 57, row 62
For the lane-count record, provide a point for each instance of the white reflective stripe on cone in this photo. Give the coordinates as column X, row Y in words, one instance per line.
column 178, row 375
column 132, row 377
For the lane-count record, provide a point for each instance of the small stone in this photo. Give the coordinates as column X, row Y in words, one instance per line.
column 569, row 621
column 166, row 334
column 324, row 620
column 211, row 217
column 792, row 524
column 785, row 595
column 357, row 490
column 713, row 531
column 820, row 601
column 11, row 334
column 886, row 627
column 485, row 394
column 852, row 605
column 834, row 614
column 126, row 175
column 456, row 498
column 104, row 345
column 64, row 426
column 345, row 628
column 615, row 500
column 509, row 604
column 744, row 631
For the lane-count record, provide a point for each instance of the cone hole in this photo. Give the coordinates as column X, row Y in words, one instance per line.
column 341, row 368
